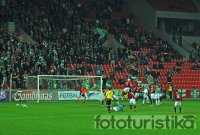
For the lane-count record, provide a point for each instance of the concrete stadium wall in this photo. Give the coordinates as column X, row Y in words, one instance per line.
column 178, row 15
column 191, row 39
column 148, row 16
column 187, row 42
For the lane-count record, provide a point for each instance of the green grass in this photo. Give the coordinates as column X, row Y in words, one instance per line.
column 70, row 118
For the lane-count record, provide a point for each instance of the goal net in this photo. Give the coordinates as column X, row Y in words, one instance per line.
column 61, row 87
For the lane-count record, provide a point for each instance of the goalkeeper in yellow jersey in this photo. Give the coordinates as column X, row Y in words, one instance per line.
column 109, row 96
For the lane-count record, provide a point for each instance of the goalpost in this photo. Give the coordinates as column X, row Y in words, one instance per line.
column 63, row 87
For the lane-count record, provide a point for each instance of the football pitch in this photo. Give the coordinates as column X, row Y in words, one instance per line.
column 71, row 118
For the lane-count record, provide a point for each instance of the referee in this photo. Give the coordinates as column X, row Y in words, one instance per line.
column 109, row 95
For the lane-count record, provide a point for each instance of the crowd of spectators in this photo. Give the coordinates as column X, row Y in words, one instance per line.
column 63, row 31
column 63, row 35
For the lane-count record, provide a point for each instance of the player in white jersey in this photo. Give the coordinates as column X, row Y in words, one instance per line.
column 157, row 90
column 118, row 108
column 116, row 95
column 145, row 93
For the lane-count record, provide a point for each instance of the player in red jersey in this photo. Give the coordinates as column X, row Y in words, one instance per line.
column 132, row 100
column 127, row 88
column 177, row 99
column 152, row 94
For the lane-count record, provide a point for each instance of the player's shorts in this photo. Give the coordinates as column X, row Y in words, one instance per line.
column 126, row 89
column 152, row 95
column 108, row 102
column 177, row 103
column 145, row 95
column 145, row 90
column 115, row 97
column 83, row 95
column 132, row 101
column 157, row 95
column 137, row 95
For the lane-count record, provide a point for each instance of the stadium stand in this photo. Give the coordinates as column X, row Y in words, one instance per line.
column 174, row 5
column 68, row 41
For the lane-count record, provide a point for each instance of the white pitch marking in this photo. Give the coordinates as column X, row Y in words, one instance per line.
column 21, row 118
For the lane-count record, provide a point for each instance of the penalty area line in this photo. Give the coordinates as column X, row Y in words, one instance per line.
column 21, row 118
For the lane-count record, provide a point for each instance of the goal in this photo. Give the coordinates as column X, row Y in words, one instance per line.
column 62, row 87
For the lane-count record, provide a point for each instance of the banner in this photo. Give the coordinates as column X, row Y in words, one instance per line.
column 195, row 94
column 102, row 32
column 31, row 95
column 189, row 93
column 3, row 95
column 72, row 95
column 49, row 95
column 184, row 93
